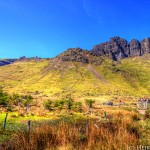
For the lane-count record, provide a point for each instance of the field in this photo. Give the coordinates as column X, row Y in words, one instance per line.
column 67, row 106
column 108, row 127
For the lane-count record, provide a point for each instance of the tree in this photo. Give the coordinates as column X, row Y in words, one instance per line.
column 89, row 103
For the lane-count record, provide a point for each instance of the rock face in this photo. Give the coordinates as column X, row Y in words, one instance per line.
column 118, row 48
column 135, row 48
column 145, row 46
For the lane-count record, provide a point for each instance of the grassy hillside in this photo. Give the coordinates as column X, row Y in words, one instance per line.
column 53, row 77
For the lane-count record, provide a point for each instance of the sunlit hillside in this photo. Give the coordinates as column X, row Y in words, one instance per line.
column 54, row 77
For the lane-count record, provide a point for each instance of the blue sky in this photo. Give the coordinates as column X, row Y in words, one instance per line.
column 46, row 28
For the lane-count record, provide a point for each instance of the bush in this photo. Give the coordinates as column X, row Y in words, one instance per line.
column 89, row 102
column 48, row 104
column 4, row 98
column 69, row 103
column 27, row 100
column 9, row 108
column 59, row 104
column 77, row 106
column 15, row 98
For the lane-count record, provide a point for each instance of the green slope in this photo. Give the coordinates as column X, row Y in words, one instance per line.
column 130, row 77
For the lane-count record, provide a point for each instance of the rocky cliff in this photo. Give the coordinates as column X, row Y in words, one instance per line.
column 118, row 48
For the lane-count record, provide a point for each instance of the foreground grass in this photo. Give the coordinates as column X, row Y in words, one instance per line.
column 79, row 132
column 107, row 127
column 15, row 123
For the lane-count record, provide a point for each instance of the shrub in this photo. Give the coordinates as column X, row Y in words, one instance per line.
column 59, row 104
column 69, row 104
column 48, row 104
column 27, row 100
column 77, row 106
column 15, row 98
column 89, row 102
column 9, row 108
column 4, row 98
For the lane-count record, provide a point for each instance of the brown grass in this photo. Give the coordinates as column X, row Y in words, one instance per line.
column 79, row 135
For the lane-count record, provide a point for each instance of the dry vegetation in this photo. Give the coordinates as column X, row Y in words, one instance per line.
column 117, row 132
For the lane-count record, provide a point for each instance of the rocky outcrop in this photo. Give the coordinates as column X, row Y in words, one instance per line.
column 145, row 46
column 80, row 55
column 135, row 48
column 118, row 48
column 4, row 62
column 75, row 54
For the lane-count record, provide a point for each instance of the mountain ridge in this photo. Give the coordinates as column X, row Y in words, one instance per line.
column 116, row 48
